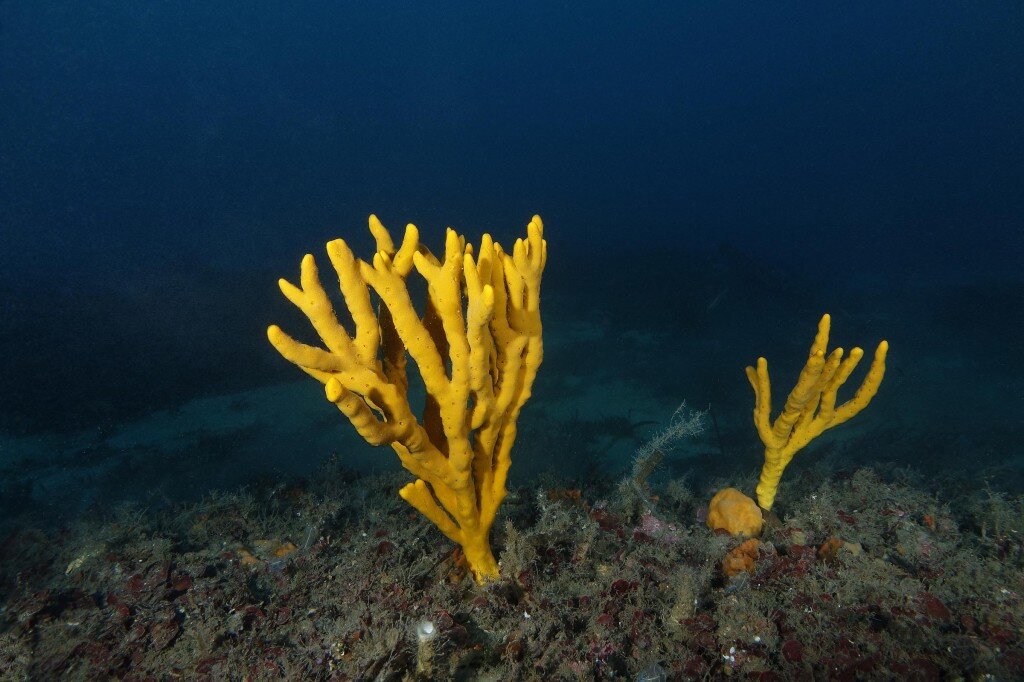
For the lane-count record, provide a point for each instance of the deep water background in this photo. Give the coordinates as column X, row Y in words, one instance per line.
column 713, row 175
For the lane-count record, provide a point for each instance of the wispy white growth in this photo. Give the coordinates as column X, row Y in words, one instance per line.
column 685, row 423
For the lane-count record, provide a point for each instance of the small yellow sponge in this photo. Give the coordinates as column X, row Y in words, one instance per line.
column 733, row 511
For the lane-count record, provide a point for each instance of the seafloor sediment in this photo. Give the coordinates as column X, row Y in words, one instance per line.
column 867, row 575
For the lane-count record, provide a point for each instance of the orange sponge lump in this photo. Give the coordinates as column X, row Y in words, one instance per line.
column 732, row 511
column 742, row 559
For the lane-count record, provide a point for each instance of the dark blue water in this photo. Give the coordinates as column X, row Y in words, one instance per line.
column 713, row 176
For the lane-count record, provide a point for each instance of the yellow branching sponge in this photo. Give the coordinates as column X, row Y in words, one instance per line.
column 481, row 320
column 811, row 406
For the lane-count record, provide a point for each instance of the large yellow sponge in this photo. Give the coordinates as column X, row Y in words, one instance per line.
column 478, row 347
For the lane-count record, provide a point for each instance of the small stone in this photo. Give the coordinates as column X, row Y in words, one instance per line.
column 652, row 673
